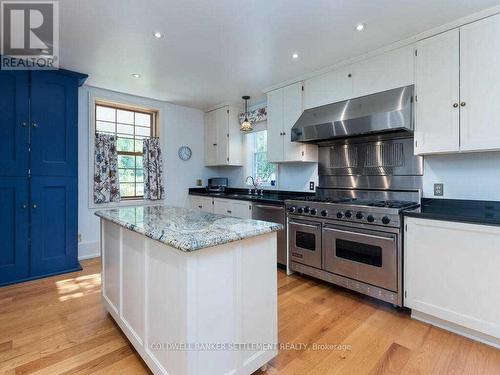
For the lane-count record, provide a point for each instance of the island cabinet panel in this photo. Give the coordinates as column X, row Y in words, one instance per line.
column 166, row 300
column 111, row 239
column 451, row 276
column 233, row 207
column 132, row 281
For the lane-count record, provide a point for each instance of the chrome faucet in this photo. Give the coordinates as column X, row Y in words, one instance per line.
column 253, row 181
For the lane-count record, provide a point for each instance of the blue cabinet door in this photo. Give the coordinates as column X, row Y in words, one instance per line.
column 14, row 117
column 54, row 225
column 14, row 229
column 54, row 120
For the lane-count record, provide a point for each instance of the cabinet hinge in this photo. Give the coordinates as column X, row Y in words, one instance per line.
column 302, row 87
column 227, row 159
column 228, row 135
column 406, row 294
column 302, row 153
column 29, row 172
column 416, row 144
column 228, row 111
column 416, row 98
column 406, row 227
column 416, row 53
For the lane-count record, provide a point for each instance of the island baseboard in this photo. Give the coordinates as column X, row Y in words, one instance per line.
column 210, row 301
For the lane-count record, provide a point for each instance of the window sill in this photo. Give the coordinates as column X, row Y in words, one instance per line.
column 125, row 203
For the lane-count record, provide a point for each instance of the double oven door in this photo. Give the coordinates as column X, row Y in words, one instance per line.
column 361, row 254
column 305, row 242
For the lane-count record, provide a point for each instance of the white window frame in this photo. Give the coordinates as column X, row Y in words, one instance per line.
column 249, row 164
column 139, row 104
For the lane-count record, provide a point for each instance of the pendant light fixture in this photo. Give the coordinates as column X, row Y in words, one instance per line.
column 246, row 125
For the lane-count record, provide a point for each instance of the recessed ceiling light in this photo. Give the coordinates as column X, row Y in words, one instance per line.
column 158, row 35
column 136, row 75
column 295, row 56
column 360, row 26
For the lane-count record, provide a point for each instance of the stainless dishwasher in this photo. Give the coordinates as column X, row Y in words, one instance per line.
column 275, row 214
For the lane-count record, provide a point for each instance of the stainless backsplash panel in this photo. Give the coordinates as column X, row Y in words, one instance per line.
column 370, row 163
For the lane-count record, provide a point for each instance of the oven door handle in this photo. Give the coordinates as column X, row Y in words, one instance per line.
column 305, row 225
column 360, row 234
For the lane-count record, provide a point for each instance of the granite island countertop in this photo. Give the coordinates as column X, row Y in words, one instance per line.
column 186, row 229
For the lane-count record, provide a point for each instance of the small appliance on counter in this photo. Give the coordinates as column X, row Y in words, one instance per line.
column 217, row 184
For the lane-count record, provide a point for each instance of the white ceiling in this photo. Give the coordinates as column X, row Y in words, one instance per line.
column 216, row 51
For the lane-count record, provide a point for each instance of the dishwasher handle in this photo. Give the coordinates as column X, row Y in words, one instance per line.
column 276, row 208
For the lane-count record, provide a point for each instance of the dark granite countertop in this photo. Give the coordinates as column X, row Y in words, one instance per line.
column 464, row 211
column 269, row 196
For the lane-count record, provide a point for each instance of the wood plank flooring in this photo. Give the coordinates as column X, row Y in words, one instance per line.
column 59, row 326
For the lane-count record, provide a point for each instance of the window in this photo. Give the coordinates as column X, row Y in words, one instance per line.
column 131, row 126
column 264, row 172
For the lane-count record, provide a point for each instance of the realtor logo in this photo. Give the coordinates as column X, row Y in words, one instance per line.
column 29, row 35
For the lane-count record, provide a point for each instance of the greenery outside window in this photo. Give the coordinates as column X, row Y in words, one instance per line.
column 131, row 126
column 263, row 171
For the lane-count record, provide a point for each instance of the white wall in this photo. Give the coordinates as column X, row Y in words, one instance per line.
column 178, row 126
column 465, row 176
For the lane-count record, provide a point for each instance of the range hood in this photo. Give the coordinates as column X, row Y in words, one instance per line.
column 386, row 111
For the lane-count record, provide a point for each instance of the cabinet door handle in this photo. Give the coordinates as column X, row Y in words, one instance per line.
column 284, row 133
column 35, row 206
column 24, row 206
column 455, row 105
column 215, row 144
column 200, row 206
column 462, row 104
column 229, row 211
column 23, row 124
column 35, row 125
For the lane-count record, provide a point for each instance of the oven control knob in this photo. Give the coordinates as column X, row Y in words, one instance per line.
column 386, row 220
column 291, row 209
column 359, row 215
column 324, row 212
column 340, row 215
column 370, row 218
column 314, row 211
column 306, row 209
column 348, row 214
column 300, row 210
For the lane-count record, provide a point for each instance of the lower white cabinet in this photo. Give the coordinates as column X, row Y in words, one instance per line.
column 231, row 207
column 452, row 278
column 204, row 204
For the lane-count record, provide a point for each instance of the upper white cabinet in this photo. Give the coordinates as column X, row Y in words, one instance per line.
column 451, row 273
column 457, row 89
column 327, row 88
column 222, row 137
column 480, row 85
column 284, row 107
column 438, row 94
column 383, row 72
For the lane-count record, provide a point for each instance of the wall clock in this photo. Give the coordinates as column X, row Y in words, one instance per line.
column 184, row 153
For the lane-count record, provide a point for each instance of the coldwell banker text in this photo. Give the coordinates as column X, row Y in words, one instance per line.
column 30, row 35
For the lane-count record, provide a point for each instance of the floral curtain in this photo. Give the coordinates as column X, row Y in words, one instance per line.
column 153, row 169
column 257, row 115
column 106, row 184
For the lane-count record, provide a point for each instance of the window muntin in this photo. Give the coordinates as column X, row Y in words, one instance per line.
column 131, row 126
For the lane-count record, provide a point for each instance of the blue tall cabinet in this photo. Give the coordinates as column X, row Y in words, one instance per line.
column 38, row 174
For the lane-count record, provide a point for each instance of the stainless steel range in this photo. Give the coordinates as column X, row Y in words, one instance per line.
column 350, row 233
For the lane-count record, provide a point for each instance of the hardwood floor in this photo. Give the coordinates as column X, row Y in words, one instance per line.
column 59, row 326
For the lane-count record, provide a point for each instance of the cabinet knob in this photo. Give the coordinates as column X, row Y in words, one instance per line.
column 455, row 105
column 24, row 206
column 23, row 124
column 35, row 125
column 229, row 211
column 349, row 75
column 215, row 144
column 200, row 206
column 35, row 206
column 284, row 133
column 462, row 104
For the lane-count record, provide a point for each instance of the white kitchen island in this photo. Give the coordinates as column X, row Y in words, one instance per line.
column 195, row 293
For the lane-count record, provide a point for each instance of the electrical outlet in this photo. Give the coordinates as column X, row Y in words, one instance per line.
column 438, row 190
column 311, row 185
